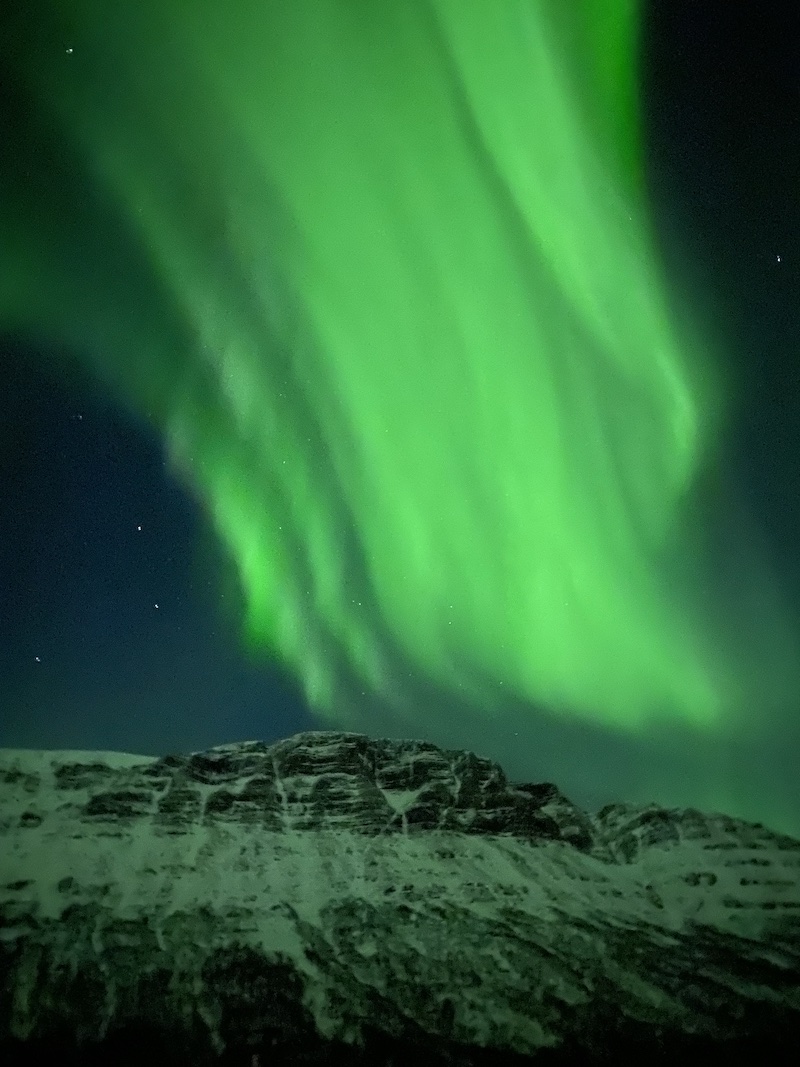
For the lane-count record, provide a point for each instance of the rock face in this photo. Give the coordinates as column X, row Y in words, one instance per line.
column 332, row 898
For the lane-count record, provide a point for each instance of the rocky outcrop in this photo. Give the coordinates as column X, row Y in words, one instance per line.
column 336, row 898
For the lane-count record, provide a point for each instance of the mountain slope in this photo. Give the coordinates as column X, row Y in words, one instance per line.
column 333, row 895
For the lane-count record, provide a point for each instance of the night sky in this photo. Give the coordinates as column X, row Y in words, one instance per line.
column 115, row 633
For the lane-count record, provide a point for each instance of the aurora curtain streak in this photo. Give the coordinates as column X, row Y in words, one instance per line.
column 382, row 275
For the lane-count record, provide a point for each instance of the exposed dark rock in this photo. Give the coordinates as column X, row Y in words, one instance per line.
column 333, row 898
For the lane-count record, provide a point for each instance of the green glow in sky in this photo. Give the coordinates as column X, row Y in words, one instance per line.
column 414, row 348
column 505, row 422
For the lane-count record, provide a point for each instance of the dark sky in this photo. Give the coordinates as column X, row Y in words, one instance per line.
column 724, row 140
column 108, row 591
column 107, row 601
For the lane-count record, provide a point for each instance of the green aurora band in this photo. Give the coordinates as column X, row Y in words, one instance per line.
column 384, row 278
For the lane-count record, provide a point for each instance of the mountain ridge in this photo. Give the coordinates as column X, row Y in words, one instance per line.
column 380, row 894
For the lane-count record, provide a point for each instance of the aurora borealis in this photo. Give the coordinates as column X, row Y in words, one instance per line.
column 385, row 281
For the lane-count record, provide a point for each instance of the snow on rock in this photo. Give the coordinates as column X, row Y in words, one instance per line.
column 377, row 900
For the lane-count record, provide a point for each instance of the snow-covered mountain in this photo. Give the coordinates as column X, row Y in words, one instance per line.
column 337, row 898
